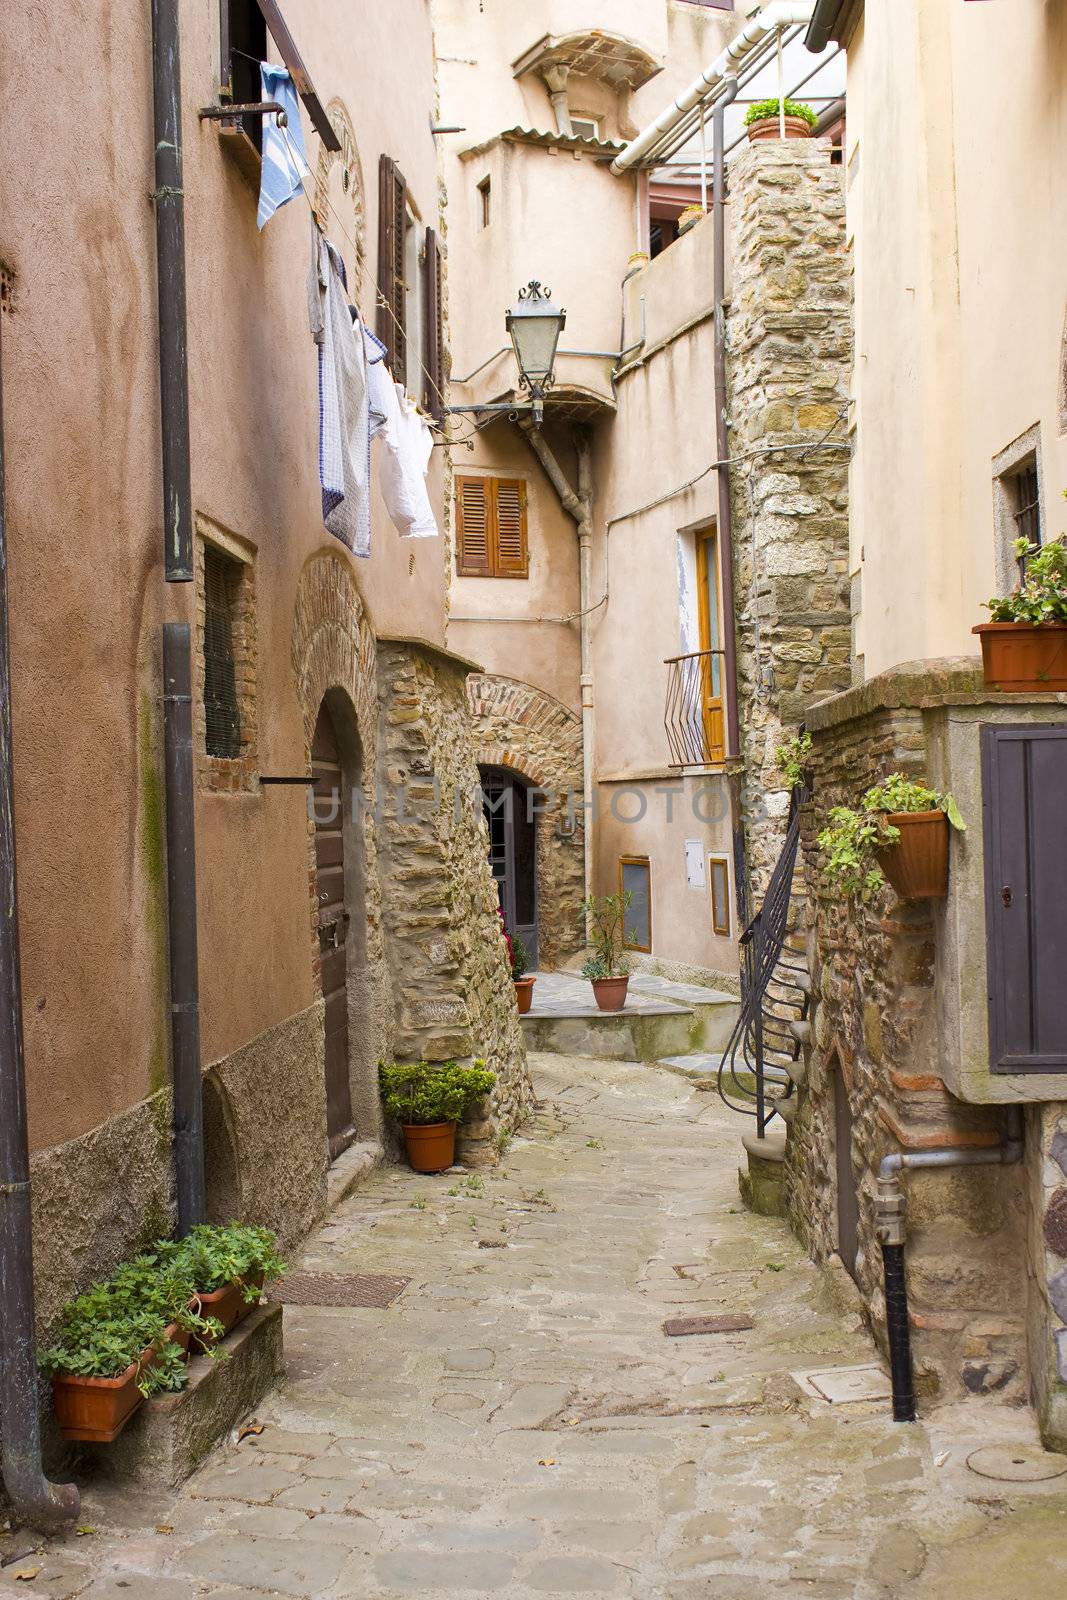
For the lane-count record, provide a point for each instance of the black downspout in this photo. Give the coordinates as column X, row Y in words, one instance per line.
column 45, row 1505
column 725, row 516
column 898, row 1333
column 177, row 665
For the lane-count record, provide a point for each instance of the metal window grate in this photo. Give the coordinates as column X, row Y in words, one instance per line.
column 1027, row 511
column 221, row 712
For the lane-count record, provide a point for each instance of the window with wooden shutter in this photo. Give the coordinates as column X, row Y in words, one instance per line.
column 491, row 528
column 243, row 29
column 433, row 329
column 392, row 227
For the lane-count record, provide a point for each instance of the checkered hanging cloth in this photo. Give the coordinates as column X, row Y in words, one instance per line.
column 284, row 157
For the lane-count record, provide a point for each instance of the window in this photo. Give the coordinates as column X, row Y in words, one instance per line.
column 635, row 879
column 392, row 246
column 491, row 528
column 585, row 127
column 1027, row 510
column 711, row 661
column 485, row 191
column 719, row 878
column 414, row 296
column 1016, row 504
column 410, row 319
column 243, row 29
column 222, row 716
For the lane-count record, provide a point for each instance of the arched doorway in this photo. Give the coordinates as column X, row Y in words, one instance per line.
column 331, row 803
column 507, row 802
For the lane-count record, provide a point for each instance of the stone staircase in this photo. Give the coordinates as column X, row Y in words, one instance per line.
column 762, row 1180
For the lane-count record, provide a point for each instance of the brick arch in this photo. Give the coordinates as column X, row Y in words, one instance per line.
column 518, row 726
column 333, row 646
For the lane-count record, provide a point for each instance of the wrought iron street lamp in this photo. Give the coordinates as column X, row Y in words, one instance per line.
column 534, row 325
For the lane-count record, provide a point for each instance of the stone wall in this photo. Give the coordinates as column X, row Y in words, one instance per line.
column 446, row 956
column 518, row 726
column 1047, row 1138
column 789, row 352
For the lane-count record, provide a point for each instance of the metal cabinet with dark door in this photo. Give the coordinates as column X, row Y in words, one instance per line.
column 333, row 928
column 513, row 852
column 1024, row 788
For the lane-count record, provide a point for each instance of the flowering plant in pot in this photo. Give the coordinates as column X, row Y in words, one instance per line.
column 1024, row 644
column 523, row 981
column 899, row 833
column 428, row 1099
column 228, row 1267
column 763, row 121
column 607, row 968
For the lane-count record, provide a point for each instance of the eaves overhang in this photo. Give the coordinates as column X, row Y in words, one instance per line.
column 592, row 53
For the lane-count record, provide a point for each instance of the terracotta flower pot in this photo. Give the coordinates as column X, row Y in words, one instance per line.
column 610, row 993
column 917, row 865
column 1024, row 657
column 770, row 128
column 431, row 1146
column 524, row 994
column 228, row 1306
column 96, row 1409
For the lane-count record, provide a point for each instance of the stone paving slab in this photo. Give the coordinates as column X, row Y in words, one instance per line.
column 518, row 1424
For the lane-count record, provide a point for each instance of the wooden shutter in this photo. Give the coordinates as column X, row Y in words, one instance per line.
column 473, row 533
column 512, row 559
column 392, row 221
column 433, row 358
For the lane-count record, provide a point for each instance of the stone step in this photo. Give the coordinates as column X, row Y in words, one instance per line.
column 801, row 1032
column 661, row 1021
column 770, row 1148
column 787, row 1110
column 798, row 1071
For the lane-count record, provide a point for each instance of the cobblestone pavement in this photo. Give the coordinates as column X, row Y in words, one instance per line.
column 517, row 1423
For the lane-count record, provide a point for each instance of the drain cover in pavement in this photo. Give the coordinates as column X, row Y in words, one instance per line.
column 338, row 1289
column 839, row 1385
column 680, row 1327
column 1026, row 1463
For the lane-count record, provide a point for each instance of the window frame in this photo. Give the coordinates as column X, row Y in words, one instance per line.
column 718, row 861
column 1020, row 457
column 485, row 200
column 713, row 703
column 593, row 121
column 636, row 861
column 277, row 28
column 490, row 482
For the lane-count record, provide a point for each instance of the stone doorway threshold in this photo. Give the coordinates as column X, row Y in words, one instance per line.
column 352, row 1167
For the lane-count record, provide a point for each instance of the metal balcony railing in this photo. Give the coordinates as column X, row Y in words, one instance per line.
column 695, row 708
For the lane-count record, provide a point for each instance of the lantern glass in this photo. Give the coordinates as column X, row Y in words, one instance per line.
column 535, row 324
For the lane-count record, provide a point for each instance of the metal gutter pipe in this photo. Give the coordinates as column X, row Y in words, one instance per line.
column 36, row 1500
column 890, row 1206
column 823, row 21
column 780, row 14
column 178, row 568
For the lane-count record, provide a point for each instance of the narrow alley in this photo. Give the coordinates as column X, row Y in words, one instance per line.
column 517, row 1422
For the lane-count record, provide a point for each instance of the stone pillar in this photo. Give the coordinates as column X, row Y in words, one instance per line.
column 789, row 353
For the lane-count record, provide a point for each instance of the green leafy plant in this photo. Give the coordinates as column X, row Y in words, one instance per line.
column 793, row 759
column 520, row 957
column 607, row 915
column 1042, row 594
column 236, row 1253
column 851, row 838
column 769, row 108
column 423, row 1092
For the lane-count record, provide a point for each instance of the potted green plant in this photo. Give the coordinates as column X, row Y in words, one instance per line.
column 1024, row 645
column 428, row 1099
column 763, row 121
column 520, row 961
column 228, row 1266
column 607, row 969
column 899, row 833
column 690, row 216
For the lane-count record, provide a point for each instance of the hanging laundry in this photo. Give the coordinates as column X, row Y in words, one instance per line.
column 344, row 411
column 406, row 445
column 378, row 381
column 284, row 156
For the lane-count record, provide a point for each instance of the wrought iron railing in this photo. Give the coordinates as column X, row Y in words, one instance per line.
column 694, row 712
column 754, row 1074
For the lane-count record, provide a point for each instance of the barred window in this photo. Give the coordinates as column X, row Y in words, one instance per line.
column 221, row 711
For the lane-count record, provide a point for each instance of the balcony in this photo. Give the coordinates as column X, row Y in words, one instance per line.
column 694, row 714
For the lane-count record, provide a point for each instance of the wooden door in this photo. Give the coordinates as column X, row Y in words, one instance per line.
column 513, row 855
column 711, row 709
column 1024, row 784
column 848, row 1213
column 330, row 800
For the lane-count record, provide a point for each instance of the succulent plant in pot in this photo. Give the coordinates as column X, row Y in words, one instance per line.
column 608, row 969
column 228, row 1266
column 770, row 119
column 899, row 833
column 428, row 1099
column 1024, row 644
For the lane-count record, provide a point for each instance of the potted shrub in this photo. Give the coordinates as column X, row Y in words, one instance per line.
column 428, row 1099
column 690, row 215
column 227, row 1267
column 763, row 122
column 520, row 960
column 1024, row 645
column 899, row 833
column 607, row 968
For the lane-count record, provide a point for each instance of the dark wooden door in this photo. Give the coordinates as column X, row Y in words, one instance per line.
column 848, row 1214
column 513, row 854
column 333, row 927
column 1024, row 795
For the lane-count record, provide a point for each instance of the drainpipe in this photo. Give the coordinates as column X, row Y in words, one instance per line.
column 725, row 509
column 178, row 568
column 579, row 506
column 555, row 79
column 45, row 1505
column 890, row 1206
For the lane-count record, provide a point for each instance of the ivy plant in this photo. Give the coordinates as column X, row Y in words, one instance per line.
column 1042, row 594
column 418, row 1093
column 607, row 915
column 793, row 759
column 769, row 108
column 851, row 837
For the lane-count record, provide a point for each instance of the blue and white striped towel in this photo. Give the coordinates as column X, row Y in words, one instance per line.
column 344, row 412
column 284, row 157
